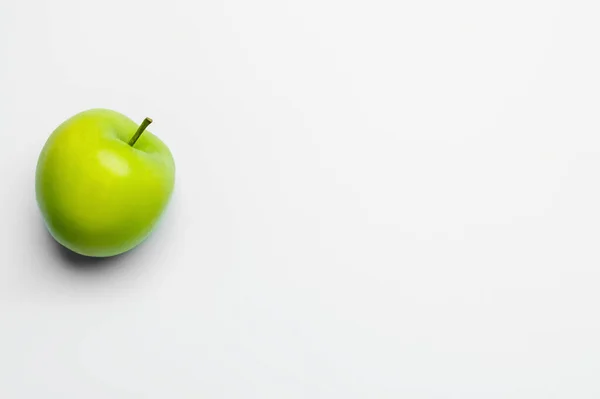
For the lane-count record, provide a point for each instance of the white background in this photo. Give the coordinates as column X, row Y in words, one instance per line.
column 374, row 199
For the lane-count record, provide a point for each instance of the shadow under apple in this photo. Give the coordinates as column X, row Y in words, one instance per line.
column 74, row 261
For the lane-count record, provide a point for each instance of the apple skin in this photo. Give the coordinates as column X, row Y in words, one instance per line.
column 98, row 195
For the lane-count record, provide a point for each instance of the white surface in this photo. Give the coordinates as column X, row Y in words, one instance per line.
column 375, row 199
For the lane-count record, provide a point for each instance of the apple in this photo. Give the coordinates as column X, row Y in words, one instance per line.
column 102, row 182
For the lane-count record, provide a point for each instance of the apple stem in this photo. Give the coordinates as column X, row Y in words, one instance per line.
column 140, row 130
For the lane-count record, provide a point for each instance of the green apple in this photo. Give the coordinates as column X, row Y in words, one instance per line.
column 101, row 184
